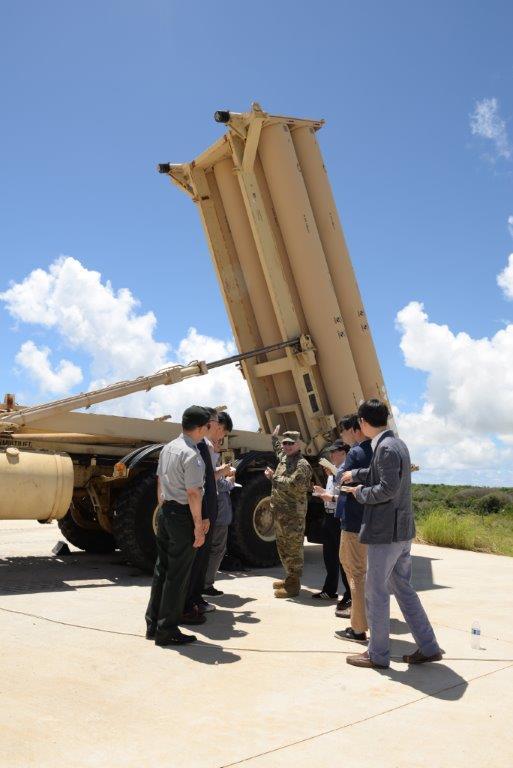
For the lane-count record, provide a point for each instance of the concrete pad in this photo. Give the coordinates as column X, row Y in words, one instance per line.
column 268, row 684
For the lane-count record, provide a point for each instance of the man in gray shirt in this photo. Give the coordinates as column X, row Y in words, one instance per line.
column 180, row 528
column 388, row 528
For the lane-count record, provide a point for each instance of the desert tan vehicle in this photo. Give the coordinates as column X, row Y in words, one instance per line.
column 306, row 353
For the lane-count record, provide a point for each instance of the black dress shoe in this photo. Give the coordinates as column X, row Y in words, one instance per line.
column 212, row 592
column 150, row 634
column 193, row 617
column 177, row 638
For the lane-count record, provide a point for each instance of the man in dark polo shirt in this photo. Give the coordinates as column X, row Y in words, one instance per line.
column 180, row 528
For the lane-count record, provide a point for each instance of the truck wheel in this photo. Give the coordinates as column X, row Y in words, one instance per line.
column 133, row 522
column 252, row 536
column 97, row 542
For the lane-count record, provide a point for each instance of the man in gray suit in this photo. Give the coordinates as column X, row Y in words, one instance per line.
column 388, row 528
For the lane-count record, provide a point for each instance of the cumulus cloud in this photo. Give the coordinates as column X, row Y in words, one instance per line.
column 35, row 362
column 222, row 386
column 487, row 123
column 89, row 316
column 505, row 278
column 462, row 433
column 467, row 418
column 469, row 379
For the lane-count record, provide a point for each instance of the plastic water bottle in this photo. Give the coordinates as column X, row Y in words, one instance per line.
column 475, row 635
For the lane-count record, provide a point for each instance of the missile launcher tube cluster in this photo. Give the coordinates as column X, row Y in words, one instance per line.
column 268, row 209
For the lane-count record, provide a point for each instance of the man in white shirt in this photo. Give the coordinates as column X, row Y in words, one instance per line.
column 331, row 526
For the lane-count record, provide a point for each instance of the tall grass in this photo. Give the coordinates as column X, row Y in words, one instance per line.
column 446, row 528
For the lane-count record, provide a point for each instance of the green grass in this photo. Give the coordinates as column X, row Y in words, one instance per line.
column 465, row 517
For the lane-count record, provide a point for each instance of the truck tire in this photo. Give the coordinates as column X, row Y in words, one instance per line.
column 133, row 522
column 96, row 542
column 252, row 536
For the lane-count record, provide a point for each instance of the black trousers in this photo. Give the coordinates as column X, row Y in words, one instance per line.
column 199, row 572
column 175, row 554
column 330, row 552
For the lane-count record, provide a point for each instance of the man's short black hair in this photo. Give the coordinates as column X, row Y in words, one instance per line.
column 226, row 420
column 338, row 445
column 195, row 416
column 349, row 422
column 212, row 413
column 375, row 412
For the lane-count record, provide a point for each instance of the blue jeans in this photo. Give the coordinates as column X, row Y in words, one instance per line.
column 389, row 572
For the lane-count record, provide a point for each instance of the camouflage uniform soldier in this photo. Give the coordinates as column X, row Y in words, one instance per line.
column 290, row 482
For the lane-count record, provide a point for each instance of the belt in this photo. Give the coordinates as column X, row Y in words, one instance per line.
column 176, row 506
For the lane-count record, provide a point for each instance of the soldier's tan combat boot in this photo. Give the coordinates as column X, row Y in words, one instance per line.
column 291, row 587
column 278, row 584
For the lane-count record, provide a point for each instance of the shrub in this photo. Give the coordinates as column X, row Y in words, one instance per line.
column 492, row 503
column 422, row 507
column 467, row 496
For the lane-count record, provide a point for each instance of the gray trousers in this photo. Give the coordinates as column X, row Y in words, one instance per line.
column 217, row 550
column 389, row 572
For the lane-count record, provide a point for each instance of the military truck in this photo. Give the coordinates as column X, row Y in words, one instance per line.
column 306, row 353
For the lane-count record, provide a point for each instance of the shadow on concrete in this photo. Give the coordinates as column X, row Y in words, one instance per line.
column 314, row 572
column 305, row 598
column 435, row 680
column 423, row 573
column 80, row 570
column 221, row 625
column 230, row 600
column 205, row 653
column 398, row 627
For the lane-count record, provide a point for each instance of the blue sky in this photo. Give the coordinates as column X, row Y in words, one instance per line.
column 95, row 94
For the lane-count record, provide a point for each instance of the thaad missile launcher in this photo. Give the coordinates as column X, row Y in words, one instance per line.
column 305, row 351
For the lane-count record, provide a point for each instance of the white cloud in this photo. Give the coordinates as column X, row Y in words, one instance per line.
column 89, row 316
column 510, row 225
column 222, row 386
column 35, row 362
column 463, row 430
column 94, row 319
column 505, row 278
column 487, row 123
column 469, row 379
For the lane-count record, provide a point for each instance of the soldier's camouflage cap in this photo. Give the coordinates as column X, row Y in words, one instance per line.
column 290, row 437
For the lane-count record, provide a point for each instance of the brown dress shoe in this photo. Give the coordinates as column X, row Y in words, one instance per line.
column 365, row 661
column 419, row 658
